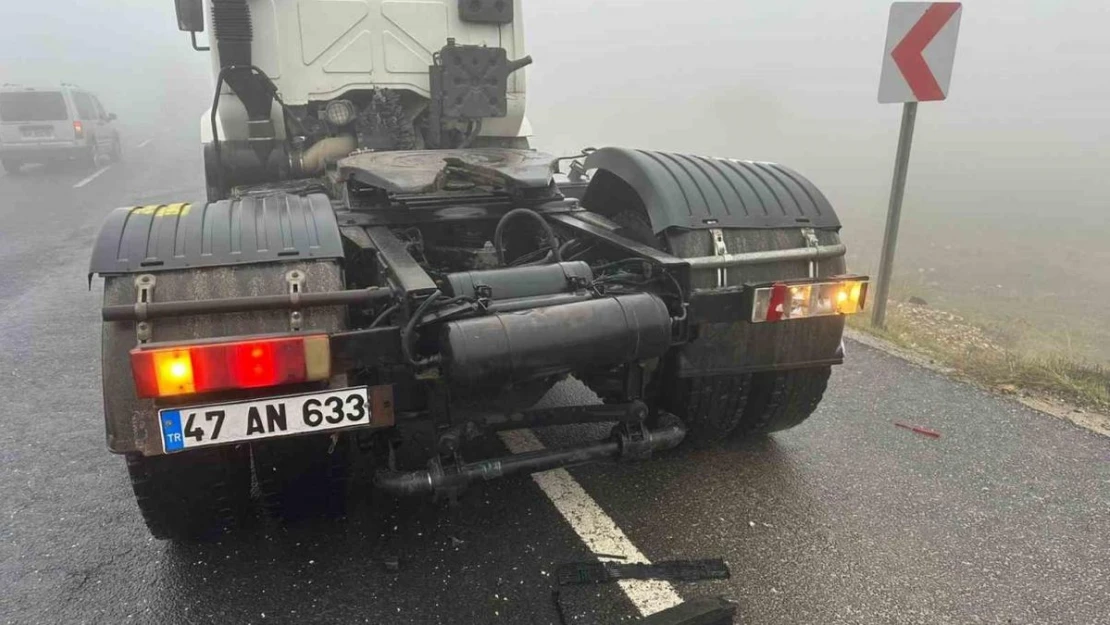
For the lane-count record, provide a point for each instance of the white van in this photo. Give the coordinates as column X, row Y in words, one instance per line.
column 39, row 125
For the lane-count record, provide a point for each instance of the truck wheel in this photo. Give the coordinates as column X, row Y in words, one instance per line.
column 11, row 165
column 712, row 407
column 193, row 495
column 651, row 184
column 303, row 477
column 780, row 400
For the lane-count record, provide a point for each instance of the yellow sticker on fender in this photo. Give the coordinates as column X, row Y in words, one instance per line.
column 163, row 210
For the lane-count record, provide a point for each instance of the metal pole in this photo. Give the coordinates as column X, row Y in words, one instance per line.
column 894, row 213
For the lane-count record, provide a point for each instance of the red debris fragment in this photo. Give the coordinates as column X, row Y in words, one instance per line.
column 920, row 430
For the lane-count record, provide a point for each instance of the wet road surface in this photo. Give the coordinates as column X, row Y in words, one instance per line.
column 847, row 519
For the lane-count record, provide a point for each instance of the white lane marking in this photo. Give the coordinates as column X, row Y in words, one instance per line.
column 594, row 527
column 144, row 144
column 92, row 177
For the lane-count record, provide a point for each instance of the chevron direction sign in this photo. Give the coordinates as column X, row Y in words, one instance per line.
column 920, row 49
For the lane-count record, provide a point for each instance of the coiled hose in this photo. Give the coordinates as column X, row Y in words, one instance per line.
column 499, row 232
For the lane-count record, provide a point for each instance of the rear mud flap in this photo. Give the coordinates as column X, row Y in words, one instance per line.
column 131, row 423
column 741, row 347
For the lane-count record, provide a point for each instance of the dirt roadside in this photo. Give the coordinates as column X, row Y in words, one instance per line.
column 944, row 342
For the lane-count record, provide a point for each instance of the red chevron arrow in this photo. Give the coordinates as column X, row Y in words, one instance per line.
column 907, row 54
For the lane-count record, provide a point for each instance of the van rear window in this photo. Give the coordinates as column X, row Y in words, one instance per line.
column 32, row 106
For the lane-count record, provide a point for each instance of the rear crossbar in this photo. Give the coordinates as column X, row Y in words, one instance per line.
column 629, row 441
column 143, row 311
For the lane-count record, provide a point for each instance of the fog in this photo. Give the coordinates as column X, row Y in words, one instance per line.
column 1005, row 206
column 129, row 52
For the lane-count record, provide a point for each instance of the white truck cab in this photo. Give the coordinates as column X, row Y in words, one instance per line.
column 319, row 50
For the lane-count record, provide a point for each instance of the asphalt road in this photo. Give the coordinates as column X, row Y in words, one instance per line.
column 847, row 519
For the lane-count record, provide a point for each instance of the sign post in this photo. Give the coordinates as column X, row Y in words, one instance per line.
column 917, row 67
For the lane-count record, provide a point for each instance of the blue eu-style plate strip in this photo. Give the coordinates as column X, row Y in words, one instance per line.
column 172, row 440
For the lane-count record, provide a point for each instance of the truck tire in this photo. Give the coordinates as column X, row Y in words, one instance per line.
column 712, row 407
column 193, row 495
column 678, row 195
column 780, row 400
column 303, row 477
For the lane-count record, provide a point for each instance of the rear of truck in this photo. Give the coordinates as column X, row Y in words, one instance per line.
column 398, row 303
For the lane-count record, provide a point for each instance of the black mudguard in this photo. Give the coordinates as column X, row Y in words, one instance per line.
column 698, row 192
column 207, row 251
column 166, row 237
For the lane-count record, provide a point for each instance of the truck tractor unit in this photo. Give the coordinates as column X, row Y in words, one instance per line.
column 384, row 271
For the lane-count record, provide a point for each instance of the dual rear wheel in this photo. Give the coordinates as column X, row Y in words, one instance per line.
column 717, row 407
column 204, row 493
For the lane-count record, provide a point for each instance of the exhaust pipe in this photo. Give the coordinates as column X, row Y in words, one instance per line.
column 631, row 442
column 327, row 150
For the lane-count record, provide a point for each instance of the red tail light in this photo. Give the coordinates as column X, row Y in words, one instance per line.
column 801, row 299
column 78, row 130
column 206, row 367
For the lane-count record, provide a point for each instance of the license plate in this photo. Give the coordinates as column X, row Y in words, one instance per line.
column 198, row 426
column 38, row 131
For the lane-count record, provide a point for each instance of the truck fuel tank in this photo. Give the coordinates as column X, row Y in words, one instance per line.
column 508, row 348
column 517, row 282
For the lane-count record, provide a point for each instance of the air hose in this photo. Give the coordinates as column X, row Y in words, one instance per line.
column 499, row 233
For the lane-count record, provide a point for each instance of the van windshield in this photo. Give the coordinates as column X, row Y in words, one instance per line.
column 32, row 106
